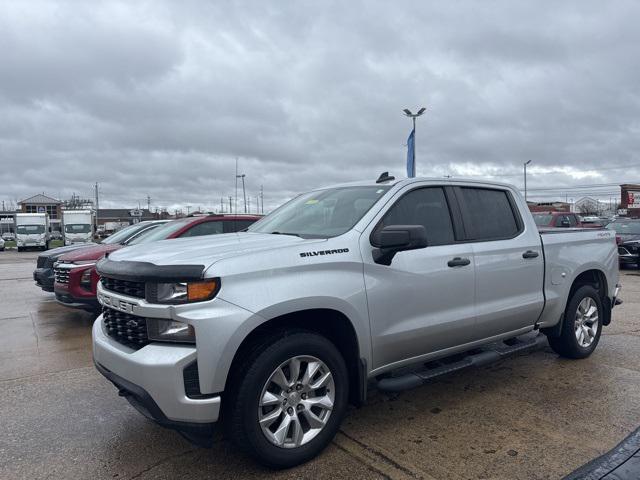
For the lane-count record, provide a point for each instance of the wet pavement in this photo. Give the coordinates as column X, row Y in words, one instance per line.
column 528, row 417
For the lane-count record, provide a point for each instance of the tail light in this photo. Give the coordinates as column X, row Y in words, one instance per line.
column 618, row 240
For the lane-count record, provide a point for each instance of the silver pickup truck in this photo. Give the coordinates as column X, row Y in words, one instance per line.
column 273, row 331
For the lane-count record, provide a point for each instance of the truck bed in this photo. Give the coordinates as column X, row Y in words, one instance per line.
column 569, row 252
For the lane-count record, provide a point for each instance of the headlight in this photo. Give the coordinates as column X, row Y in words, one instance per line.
column 170, row 331
column 185, row 292
column 85, row 278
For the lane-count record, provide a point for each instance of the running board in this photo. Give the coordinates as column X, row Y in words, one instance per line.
column 485, row 355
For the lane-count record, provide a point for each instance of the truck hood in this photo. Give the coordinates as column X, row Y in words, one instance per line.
column 95, row 252
column 207, row 250
column 56, row 252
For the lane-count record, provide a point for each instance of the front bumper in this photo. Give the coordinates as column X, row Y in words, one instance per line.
column 153, row 380
column 44, row 278
column 68, row 300
column 199, row 433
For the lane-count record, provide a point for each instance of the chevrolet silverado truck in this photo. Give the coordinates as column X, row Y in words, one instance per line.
column 273, row 331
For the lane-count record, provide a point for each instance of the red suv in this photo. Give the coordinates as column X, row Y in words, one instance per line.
column 556, row 220
column 76, row 278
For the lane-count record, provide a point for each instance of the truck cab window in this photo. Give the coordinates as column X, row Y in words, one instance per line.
column 423, row 206
column 488, row 214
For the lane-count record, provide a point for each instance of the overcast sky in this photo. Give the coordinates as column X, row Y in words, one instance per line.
column 158, row 99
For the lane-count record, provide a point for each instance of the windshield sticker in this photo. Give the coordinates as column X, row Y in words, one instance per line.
column 324, row 252
column 311, row 202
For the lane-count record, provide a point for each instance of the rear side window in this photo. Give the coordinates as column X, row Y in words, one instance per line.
column 488, row 214
column 424, row 206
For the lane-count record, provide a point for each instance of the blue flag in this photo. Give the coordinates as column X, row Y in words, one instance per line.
column 411, row 155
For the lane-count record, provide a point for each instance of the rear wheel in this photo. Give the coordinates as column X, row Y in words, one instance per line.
column 289, row 399
column 582, row 325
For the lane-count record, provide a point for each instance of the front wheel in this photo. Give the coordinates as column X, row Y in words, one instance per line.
column 288, row 400
column 582, row 325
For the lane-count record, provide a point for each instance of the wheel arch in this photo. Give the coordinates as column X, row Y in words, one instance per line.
column 597, row 279
column 330, row 323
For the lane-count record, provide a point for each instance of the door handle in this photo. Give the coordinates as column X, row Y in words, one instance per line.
column 529, row 254
column 458, row 262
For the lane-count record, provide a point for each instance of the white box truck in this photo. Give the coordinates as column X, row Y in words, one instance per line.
column 32, row 230
column 77, row 226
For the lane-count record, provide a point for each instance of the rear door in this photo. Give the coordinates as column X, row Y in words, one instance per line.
column 508, row 260
column 424, row 301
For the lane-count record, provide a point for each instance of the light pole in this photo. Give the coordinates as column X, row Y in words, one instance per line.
column 525, row 178
column 244, row 193
column 413, row 117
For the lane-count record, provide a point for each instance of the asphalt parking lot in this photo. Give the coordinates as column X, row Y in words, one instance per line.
column 528, row 417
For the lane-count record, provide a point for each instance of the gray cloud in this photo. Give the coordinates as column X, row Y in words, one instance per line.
column 159, row 99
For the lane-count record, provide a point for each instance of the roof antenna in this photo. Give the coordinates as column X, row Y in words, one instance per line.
column 384, row 177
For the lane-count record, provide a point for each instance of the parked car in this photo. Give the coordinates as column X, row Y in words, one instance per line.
column 556, row 220
column 8, row 237
column 594, row 222
column 276, row 329
column 628, row 239
column 76, row 278
column 43, row 274
column 1, row 245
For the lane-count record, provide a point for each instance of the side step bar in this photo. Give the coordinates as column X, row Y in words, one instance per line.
column 487, row 354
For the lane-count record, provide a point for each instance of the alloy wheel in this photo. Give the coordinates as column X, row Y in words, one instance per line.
column 586, row 322
column 296, row 401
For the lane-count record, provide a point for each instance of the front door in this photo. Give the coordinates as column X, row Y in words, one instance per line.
column 424, row 301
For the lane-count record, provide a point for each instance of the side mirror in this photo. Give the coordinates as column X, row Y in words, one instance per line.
column 397, row 238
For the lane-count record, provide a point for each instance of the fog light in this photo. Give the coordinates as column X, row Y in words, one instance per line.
column 170, row 331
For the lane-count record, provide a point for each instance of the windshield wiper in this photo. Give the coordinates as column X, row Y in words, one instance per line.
column 286, row 233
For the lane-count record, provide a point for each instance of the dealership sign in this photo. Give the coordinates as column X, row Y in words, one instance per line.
column 633, row 199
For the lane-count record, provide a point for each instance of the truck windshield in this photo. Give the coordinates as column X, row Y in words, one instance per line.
column 126, row 233
column 30, row 229
column 322, row 213
column 625, row 228
column 542, row 219
column 77, row 228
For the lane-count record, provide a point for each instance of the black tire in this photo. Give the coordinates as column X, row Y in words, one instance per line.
column 240, row 416
column 566, row 344
column 18, row 249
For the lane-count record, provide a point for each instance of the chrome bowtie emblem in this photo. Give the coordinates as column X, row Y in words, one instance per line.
column 132, row 324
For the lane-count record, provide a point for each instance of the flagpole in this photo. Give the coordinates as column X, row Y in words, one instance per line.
column 413, row 117
column 414, row 144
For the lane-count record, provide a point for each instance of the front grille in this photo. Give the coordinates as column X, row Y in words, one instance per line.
column 125, row 287
column 127, row 329
column 61, row 275
column 192, row 381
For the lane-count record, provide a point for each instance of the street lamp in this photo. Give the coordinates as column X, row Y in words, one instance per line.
column 525, row 179
column 413, row 116
column 244, row 193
